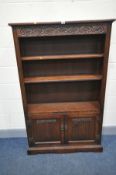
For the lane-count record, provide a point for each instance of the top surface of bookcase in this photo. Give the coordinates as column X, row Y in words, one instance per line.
column 60, row 22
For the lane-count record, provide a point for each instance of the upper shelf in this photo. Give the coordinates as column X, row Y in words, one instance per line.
column 69, row 56
column 62, row 78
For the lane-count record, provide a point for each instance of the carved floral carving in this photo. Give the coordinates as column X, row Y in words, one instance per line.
column 60, row 29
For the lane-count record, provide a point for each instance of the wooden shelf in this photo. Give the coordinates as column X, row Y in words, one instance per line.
column 89, row 106
column 71, row 56
column 61, row 78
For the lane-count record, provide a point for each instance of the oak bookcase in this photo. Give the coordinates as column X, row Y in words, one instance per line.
column 62, row 71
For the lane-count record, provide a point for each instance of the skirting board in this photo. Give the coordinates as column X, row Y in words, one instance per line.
column 22, row 132
column 13, row 133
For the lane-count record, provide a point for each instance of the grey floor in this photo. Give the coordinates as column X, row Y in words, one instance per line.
column 15, row 161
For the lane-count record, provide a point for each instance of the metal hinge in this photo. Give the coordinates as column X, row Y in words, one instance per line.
column 29, row 122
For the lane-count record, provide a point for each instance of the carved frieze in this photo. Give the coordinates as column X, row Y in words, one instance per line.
column 61, row 29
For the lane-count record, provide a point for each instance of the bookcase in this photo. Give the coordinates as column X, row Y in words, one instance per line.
column 62, row 71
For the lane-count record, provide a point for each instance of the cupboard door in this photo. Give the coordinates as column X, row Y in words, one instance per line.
column 46, row 131
column 82, row 129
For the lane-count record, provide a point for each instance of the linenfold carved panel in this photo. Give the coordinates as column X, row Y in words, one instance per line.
column 60, row 29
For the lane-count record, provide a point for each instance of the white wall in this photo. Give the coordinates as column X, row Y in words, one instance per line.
column 11, row 111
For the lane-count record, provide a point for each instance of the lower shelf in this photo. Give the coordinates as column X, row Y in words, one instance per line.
column 65, row 149
column 62, row 78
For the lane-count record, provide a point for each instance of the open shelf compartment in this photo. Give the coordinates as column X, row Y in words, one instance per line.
column 63, row 92
column 61, row 70
column 61, row 45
